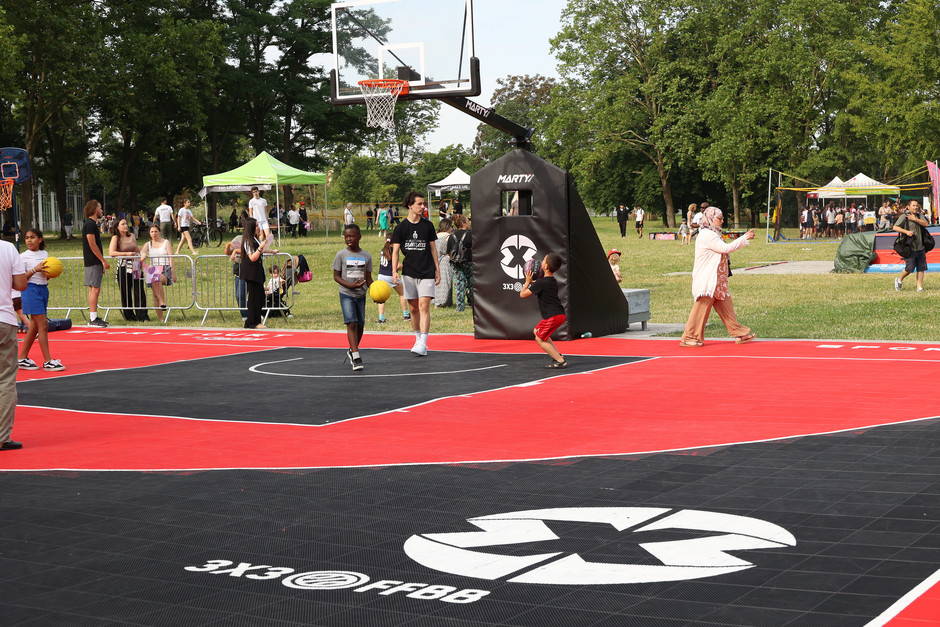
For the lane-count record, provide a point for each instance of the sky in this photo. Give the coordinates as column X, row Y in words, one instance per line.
column 512, row 38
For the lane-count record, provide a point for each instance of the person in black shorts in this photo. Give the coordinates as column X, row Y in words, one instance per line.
column 553, row 313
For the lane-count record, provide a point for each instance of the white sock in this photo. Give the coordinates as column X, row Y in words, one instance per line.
column 93, row 315
column 423, row 338
column 356, row 355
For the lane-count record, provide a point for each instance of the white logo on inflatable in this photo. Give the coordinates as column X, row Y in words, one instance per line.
column 516, row 250
column 692, row 558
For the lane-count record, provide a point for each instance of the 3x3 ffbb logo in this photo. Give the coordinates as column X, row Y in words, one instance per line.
column 338, row 580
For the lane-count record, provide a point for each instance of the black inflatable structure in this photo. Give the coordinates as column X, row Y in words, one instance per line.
column 525, row 207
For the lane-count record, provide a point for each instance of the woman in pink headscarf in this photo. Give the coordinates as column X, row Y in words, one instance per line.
column 710, row 282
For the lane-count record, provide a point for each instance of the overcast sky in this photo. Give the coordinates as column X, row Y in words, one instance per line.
column 511, row 39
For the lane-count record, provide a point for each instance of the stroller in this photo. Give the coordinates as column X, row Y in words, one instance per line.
column 277, row 292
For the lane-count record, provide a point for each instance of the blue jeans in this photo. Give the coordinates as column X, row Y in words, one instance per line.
column 354, row 309
column 241, row 297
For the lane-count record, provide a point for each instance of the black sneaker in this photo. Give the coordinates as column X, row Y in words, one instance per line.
column 357, row 363
column 98, row 322
column 348, row 356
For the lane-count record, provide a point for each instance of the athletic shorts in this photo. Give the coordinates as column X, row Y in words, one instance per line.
column 639, row 225
column 35, row 299
column 547, row 326
column 183, row 229
column 93, row 275
column 354, row 309
column 917, row 262
column 417, row 288
column 387, row 278
column 18, row 303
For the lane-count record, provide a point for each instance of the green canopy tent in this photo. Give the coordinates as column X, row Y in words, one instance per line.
column 264, row 171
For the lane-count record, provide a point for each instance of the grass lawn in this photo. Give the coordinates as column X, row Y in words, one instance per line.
column 831, row 306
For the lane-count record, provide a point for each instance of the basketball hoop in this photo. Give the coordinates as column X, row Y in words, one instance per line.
column 381, row 96
column 6, row 193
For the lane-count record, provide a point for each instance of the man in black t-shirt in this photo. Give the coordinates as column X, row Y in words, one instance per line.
column 417, row 238
column 95, row 263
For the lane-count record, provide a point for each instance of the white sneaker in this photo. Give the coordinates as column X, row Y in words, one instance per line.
column 420, row 348
column 897, row 284
column 53, row 365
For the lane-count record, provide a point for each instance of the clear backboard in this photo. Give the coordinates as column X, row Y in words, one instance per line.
column 428, row 43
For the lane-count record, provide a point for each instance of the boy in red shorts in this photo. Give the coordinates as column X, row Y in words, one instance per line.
column 553, row 314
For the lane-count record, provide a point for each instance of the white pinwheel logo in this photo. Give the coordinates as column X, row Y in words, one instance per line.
column 691, row 558
column 516, row 250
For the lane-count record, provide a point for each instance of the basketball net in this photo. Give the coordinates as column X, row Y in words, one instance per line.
column 6, row 193
column 380, row 96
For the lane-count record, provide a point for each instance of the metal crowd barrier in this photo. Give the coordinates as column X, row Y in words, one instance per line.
column 205, row 283
column 218, row 287
column 123, row 288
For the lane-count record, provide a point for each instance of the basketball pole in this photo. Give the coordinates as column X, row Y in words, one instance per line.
column 16, row 220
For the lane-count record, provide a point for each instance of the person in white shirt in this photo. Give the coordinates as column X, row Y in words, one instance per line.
column 164, row 216
column 348, row 215
column 293, row 218
column 638, row 216
column 258, row 207
column 12, row 277
column 185, row 218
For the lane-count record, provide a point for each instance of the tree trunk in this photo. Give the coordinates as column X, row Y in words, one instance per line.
column 57, row 164
column 667, row 190
column 736, row 200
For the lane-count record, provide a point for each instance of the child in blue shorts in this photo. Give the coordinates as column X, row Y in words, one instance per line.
column 35, row 301
column 352, row 269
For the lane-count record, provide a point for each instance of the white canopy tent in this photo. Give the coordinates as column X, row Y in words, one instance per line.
column 456, row 181
column 859, row 186
column 832, row 189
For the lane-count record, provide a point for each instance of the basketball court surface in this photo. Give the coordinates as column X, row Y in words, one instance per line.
column 193, row 477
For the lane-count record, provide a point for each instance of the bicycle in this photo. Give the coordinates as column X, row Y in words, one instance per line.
column 204, row 236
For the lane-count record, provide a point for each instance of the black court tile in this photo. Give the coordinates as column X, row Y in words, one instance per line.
column 278, row 548
column 270, row 386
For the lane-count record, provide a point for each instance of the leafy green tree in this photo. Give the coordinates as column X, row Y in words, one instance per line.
column 896, row 95
column 436, row 165
column 53, row 36
column 160, row 70
column 521, row 99
column 397, row 180
column 625, row 84
column 358, row 181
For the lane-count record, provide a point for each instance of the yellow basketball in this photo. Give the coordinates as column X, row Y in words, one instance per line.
column 53, row 267
column 380, row 291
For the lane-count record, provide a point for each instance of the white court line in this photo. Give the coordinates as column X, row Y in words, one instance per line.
column 478, row 461
column 898, row 606
column 256, row 370
column 403, row 409
column 165, row 363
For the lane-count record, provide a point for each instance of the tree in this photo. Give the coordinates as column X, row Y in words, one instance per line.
column 896, row 95
column 160, row 70
column 414, row 120
column 436, row 165
column 521, row 99
column 357, row 181
column 620, row 61
column 52, row 36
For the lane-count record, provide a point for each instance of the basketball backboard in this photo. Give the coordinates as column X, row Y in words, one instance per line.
column 428, row 43
column 14, row 164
